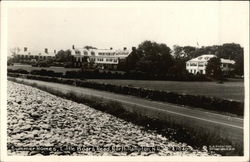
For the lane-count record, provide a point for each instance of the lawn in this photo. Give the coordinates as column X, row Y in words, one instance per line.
column 232, row 89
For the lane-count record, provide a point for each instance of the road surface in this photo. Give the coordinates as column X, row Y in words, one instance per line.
column 232, row 126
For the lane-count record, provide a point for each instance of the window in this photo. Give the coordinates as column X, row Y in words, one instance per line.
column 194, row 71
column 109, row 60
column 199, row 58
column 92, row 53
column 99, row 59
column 200, row 65
column 85, row 52
column 187, row 64
column 193, row 64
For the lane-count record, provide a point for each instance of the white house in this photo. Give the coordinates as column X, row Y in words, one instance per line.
column 25, row 54
column 198, row 64
column 103, row 58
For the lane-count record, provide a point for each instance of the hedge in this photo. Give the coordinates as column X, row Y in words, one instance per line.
column 46, row 73
column 17, row 71
column 210, row 103
column 97, row 74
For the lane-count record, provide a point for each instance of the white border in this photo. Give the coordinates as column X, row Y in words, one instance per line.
column 62, row 4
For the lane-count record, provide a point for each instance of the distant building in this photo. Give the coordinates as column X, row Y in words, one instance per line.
column 198, row 65
column 27, row 55
column 102, row 58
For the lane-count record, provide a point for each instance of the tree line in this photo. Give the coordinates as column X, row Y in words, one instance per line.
column 158, row 59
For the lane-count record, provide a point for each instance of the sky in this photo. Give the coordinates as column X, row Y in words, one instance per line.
column 126, row 24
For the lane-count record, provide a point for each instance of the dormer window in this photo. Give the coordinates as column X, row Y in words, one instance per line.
column 77, row 52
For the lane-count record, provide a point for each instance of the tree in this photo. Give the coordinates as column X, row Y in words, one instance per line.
column 213, row 68
column 234, row 52
column 154, row 58
column 190, row 52
column 15, row 50
column 89, row 47
column 130, row 62
column 64, row 56
column 230, row 51
column 178, row 68
column 177, row 52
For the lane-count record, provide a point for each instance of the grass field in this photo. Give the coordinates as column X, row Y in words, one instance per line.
column 232, row 89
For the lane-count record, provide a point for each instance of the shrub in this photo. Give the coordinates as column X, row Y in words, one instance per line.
column 21, row 71
column 44, row 72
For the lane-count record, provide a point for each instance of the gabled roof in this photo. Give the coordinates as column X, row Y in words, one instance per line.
column 203, row 58
column 118, row 52
column 206, row 57
column 35, row 53
column 227, row 61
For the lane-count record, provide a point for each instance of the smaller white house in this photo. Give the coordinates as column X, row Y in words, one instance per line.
column 198, row 65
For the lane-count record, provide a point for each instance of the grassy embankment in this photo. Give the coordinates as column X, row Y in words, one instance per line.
column 233, row 89
column 224, row 106
column 185, row 131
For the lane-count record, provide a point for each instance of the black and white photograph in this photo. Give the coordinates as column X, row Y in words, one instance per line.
column 124, row 80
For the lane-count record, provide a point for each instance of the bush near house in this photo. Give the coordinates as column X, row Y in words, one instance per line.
column 44, row 72
column 21, row 71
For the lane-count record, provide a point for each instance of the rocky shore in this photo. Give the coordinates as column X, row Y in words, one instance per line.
column 43, row 124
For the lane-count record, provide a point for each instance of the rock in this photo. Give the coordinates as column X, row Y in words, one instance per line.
column 45, row 126
column 25, row 128
column 35, row 115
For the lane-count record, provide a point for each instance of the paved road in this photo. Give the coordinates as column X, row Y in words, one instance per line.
column 233, row 125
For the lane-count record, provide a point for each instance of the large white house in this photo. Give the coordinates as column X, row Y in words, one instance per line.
column 103, row 58
column 198, row 65
column 25, row 54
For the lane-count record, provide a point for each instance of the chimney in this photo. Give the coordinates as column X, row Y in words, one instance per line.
column 111, row 48
column 25, row 49
column 125, row 48
column 73, row 47
column 46, row 50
